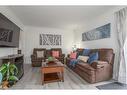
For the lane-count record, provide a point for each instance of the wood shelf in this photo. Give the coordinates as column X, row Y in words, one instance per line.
column 51, row 77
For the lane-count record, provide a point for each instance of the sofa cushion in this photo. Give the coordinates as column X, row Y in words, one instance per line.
column 83, row 58
column 93, row 57
column 85, row 66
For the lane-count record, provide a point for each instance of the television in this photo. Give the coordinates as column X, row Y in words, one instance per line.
column 9, row 33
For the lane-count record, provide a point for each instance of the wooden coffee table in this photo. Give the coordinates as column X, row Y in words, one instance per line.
column 52, row 72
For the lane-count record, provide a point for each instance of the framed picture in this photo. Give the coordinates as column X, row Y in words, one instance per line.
column 97, row 33
column 50, row 39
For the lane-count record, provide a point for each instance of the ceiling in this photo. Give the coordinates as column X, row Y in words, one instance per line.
column 65, row 17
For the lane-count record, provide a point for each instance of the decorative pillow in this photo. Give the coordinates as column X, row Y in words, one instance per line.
column 83, row 58
column 73, row 55
column 40, row 54
column 86, row 52
column 55, row 54
column 93, row 57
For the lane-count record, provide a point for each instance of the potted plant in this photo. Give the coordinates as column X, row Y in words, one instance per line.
column 51, row 59
column 9, row 72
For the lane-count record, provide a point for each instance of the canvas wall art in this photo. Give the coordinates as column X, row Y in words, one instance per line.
column 97, row 33
column 6, row 35
column 50, row 39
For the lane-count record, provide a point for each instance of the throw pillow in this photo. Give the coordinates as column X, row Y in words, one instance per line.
column 86, row 52
column 73, row 55
column 93, row 57
column 40, row 54
column 83, row 58
column 55, row 54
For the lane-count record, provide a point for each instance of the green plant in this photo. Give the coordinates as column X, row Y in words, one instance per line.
column 50, row 59
column 9, row 72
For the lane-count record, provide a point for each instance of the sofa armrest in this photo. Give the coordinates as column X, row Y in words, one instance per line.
column 68, row 55
column 99, row 64
column 63, row 55
column 67, row 60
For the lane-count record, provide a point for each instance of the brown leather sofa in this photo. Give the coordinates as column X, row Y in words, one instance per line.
column 36, row 62
column 100, row 70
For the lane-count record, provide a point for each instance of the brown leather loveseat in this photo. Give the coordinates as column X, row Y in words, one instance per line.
column 41, row 54
column 99, row 70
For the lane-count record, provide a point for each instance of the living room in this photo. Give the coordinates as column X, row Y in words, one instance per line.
column 63, row 35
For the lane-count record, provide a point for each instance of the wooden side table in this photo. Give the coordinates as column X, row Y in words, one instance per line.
column 52, row 72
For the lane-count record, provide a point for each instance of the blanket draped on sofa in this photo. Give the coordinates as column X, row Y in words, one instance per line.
column 73, row 62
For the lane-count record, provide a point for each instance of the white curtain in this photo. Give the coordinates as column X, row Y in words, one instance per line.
column 121, row 28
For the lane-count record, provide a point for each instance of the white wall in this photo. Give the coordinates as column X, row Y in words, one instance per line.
column 10, row 15
column 102, row 43
column 31, row 40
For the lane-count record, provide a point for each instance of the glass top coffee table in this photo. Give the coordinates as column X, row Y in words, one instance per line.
column 52, row 72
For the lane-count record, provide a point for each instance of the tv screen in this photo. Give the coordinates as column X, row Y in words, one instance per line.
column 9, row 33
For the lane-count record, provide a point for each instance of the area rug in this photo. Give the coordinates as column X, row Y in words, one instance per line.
column 112, row 86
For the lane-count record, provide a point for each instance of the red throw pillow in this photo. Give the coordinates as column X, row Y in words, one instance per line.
column 55, row 54
column 73, row 55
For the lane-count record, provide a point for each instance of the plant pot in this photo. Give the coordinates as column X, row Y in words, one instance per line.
column 5, row 84
column 11, row 83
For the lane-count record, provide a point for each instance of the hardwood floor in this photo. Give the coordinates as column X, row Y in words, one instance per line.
column 32, row 80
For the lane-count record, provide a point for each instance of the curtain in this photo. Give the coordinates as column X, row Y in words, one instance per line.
column 121, row 28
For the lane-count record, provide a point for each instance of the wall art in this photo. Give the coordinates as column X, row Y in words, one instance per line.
column 6, row 35
column 97, row 33
column 50, row 39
